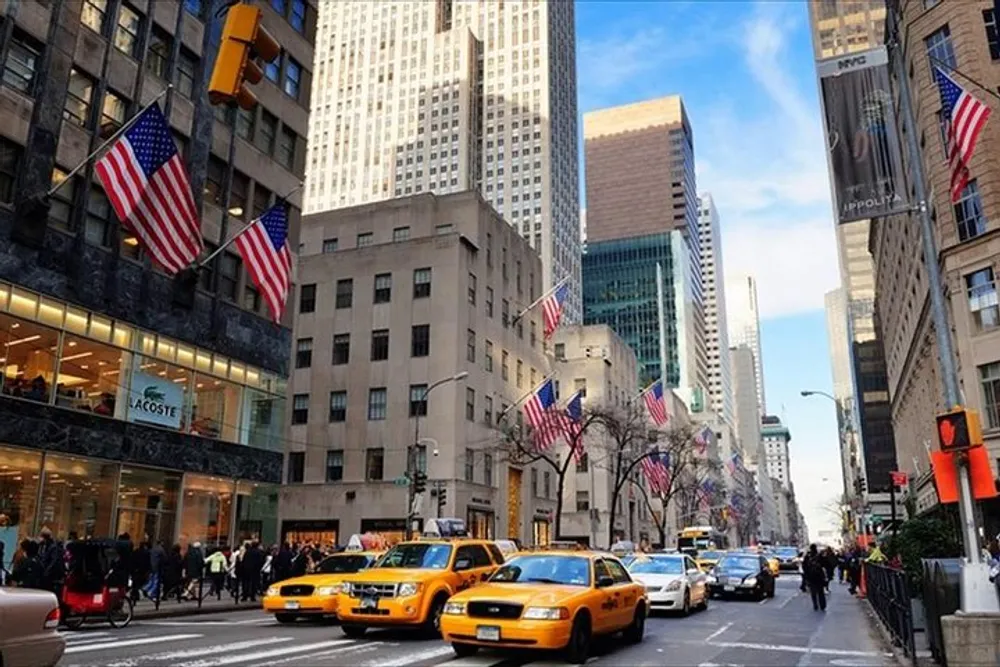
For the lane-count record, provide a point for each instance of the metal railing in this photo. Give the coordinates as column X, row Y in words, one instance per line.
column 889, row 595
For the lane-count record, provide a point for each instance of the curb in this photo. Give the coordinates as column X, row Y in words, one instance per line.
column 166, row 612
column 897, row 652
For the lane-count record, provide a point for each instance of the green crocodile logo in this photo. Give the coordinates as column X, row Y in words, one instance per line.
column 154, row 394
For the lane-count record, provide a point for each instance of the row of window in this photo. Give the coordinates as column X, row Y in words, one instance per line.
column 378, row 405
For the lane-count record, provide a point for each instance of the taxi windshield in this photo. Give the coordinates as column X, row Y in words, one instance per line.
column 417, row 556
column 657, row 566
column 787, row 552
column 566, row 570
column 342, row 564
column 740, row 563
column 710, row 555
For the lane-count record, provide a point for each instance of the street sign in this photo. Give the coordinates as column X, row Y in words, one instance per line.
column 899, row 478
column 401, row 481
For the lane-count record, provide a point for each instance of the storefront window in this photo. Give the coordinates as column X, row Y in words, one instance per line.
column 147, row 504
column 77, row 497
column 216, row 408
column 480, row 524
column 541, row 532
column 207, row 510
column 159, row 394
column 19, row 473
column 393, row 530
column 262, row 418
column 28, row 357
column 91, row 377
column 317, row 532
column 257, row 512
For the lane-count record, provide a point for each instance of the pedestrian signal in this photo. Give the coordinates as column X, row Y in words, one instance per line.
column 959, row 429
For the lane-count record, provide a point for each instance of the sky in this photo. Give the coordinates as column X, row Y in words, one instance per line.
column 746, row 74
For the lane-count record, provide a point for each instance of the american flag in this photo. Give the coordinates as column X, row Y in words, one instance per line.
column 264, row 247
column 552, row 308
column 656, row 468
column 701, row 439
column 546, row 420
column 147, row 186
column 966, row 117
column 653, row 396
column 734, row 463
column 574, row 424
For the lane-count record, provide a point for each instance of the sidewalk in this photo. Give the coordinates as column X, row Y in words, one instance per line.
column 170, row 608
column 851, row 622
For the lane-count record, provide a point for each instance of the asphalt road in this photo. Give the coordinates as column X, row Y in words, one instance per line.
column 778, row 632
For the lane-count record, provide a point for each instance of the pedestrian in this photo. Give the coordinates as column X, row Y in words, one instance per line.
column 52, row 557
column 253, row 561
column 173, row 573
column 829, row 565
column 28, row 572
column 216, row 564
column 194, row 568
column 854, row 570
column 283, row 563
column 814, row 575
column 140, row 569
column 157, row 561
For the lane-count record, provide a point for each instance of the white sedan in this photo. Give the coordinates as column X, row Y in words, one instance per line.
column 673, row 581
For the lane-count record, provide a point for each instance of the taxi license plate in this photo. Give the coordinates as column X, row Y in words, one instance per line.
column 369, row 603
column 729, row 588
column 488, row 633
column 292, row 604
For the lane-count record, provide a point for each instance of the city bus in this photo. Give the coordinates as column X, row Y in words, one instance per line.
column 693, row 539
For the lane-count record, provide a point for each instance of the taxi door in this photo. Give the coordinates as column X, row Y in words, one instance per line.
column 604, row 614
column 626, row 594
column 472, row 566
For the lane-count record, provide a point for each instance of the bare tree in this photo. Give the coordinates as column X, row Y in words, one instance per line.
column 745, row 508
column 693, row 494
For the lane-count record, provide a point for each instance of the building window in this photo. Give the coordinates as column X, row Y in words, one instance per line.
column 158, row 54
column 534, row 482
column 62, row 199
column 300, row 408
column 338, row 406
column 272, row 70
column 380, row 344
column 400, row 234
column 229, row 275
column 112, row 114
column 441, row 230
column 10, row 163
column 366, row 239
column 293, row 78
column 98, row 223
column 983, row 298
column 421, row 283
column 244, row 123
column 519, row 373
column 374, row 464
column 267, row 132
column 504, row 365
column 534, row 334
column 261, row 200
column 127, row 33
column 341, row 349
column 279, row 6
column 470, row 464
column 470, row 346
column 992, row 36
column 505, row 313
column 193, row 7
column 940, row 49
column 345, row 293
column 334, row 465
column 78, row 97
column 307, row 298
column 489, row 357
column 489, row 302
column 546, row 484
column 488, row 469
column 418, row 400
column 580, row 386
column 93, row 14
column 488, row 410
column 472, row 289
column 286, row 148
column 21, row 64
column 560, row 351
column 969, row 214
column 376, row 404
column 297, row 17
column 420, row 340
column 296, row 467
column 470, row 404
column 303, row 352
column 582, row 501
column 383, row 288
column 583, row 463
column 329, row 245
column 989, row 377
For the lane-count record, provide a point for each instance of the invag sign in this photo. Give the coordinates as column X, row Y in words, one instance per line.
column 155, row 400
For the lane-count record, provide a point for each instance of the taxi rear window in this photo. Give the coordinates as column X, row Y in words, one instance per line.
column 343, row 564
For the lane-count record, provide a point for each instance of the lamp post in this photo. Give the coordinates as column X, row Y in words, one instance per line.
column 411, row 457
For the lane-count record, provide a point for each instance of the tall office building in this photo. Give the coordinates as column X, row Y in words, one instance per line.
column 846, row 26
column 776, row 437
column 122, row 409
column 744, row 326
column 841, row 363
column 448, row 96
column 748, row 432
column 635, row 222
column 720, row 378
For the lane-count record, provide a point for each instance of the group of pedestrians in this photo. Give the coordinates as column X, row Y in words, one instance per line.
column 820, row 567
column 39, row 563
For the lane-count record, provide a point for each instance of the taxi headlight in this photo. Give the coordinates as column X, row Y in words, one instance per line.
column 272, row 591
column 328, row 590
column 455, row 609
column 674, row 585
column 750, row 581
column 546, row 614
column 408, row 589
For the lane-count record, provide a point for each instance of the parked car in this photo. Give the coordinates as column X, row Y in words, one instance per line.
column 28, row 622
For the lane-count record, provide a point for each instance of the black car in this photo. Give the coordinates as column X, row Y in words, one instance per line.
column 788, row 558
column 741, row 575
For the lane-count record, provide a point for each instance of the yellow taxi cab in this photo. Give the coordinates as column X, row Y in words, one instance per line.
column 708, row 559
column 773, row 563
column 315, row 595
column 548, row 600
column 410, row 584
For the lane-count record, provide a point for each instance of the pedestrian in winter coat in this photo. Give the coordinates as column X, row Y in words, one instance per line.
column 51, row 555
column 283, row 563
column 814, row 574
column 157, row 559
column 216, row 564
column 253, row 561
column 194, row 568
column 28, row 571
column 173, row 572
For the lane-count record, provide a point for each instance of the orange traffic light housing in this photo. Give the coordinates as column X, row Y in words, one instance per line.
column 959, row 429
column 244, row 41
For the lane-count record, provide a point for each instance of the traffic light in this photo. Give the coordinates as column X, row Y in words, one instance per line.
column 959, row 429
column 244, row 41
column 442, row 496
column 419, row 482
column 863, row 485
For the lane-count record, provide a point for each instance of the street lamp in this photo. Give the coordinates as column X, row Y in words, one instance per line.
column 411, row 457
column 807, row 392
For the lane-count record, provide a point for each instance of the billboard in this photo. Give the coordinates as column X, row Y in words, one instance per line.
column 861, row 135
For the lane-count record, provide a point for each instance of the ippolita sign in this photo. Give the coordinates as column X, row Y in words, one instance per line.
column 155, row 400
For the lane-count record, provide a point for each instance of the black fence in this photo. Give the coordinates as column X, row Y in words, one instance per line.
column 889, row 595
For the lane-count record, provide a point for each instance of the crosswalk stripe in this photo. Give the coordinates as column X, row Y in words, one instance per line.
column 345, row 652
column 429, row 654
column 128, row 642
column 264, row 655
column 204, row 650
column 83, row 641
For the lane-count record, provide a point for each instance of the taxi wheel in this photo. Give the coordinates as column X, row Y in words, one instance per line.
column 353, row 631
column 285, row 618
column 578, row 648
column 464, row 650
column 635, row 632
column 433, row 624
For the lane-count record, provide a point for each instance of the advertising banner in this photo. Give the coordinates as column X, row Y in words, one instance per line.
column 155, row 400
column 862, row 137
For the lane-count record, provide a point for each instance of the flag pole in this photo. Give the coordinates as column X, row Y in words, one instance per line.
column 246, row 228
column 537, row 301
column 954, row 70
column 107, row 142
column 525, row 397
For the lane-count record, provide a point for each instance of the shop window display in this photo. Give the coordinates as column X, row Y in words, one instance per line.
column 215, row 413
column 256, row 512
column 28, row 357
column 262, row 418
column 19, row 478
column 77, row 497
column 159, row 394
column 207, row 510
column 92, row 377
column 147, row 503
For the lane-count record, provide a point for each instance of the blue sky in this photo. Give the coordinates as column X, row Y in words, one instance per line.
column 745, row 72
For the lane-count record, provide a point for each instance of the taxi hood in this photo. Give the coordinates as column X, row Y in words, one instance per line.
column 529, row 595
column 393, row 575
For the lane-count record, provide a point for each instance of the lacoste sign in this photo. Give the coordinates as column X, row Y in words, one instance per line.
column 155, row 400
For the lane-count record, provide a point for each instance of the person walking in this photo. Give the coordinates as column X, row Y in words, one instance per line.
column 28, row 572
column 216, row 565
column 194, row 569
column 157, row 561
column 814, row 574
column 173, row 573
column 283, row 563
column 52, row 557
column 829, row 565
column 253, row 561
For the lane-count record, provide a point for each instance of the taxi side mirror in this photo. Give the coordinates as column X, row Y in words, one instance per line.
column 462, row 564
column 605, row 581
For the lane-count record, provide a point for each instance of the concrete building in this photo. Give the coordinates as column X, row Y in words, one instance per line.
column 595, row 360
column 968, row 243
column 720, row 376
column 395, row 296
column 744, row 326
column 449, row 96
column 748, row 434
column 93, row 325
column 776, row 437
column 846, row 26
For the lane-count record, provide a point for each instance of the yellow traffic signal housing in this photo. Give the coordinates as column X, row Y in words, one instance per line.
column 243, row 42
column 959, row 429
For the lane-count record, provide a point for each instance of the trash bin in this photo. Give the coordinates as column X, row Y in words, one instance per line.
column 942, row 597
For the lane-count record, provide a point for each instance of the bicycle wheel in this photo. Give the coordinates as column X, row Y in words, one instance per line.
column 120, row 615
column 74, row 621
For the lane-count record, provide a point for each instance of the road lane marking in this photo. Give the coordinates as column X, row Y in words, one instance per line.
column 264, row 655
column 799, row 649
column 81, row 641
column 718, row 632
column 764, row 601
column 204, row 650
column 128, row 642
column 429, row 654
column 69, row 635
column 353, row 650
column 789, row 599
column 253, row 621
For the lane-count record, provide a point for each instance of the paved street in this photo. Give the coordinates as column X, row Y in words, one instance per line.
column 778, row 632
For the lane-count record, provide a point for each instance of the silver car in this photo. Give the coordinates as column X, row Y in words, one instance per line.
column 28, row 621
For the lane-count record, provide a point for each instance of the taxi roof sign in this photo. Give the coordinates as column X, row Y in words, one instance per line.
column 365, row 542
column 445, row 528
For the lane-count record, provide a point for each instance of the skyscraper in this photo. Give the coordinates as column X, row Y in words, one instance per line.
column 776, row 437
column 749, row 434
column 720, row 380
column 744, row 326
column 448, row 96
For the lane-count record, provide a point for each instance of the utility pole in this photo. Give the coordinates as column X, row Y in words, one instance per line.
column 976, row 596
